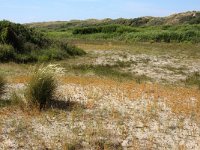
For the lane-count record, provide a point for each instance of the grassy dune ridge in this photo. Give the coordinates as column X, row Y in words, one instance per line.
column 182, row 27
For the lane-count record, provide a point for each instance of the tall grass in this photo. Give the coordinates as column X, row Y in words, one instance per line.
column 42, row 86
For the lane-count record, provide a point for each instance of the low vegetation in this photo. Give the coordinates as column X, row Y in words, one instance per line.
column 109, row 71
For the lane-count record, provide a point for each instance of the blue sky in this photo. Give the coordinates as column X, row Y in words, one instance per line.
column 24, row 11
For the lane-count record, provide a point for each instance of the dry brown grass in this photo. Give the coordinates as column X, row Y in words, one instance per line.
column 185, row 101
column 182, row 100
column 175, row 97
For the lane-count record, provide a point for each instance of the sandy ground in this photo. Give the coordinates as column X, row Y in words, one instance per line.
column 90, row 113
column 91, row 116
column 159, row 68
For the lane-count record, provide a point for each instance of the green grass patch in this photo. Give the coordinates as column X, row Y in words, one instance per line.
column 109, row 71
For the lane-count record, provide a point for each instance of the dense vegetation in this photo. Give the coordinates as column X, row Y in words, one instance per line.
column 21, row 44
column 104, row 29
column 182, row 27
column 167, row 33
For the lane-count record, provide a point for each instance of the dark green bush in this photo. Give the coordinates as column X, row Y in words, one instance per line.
column 87, row 30
column 8, row 36
column 17, row 35
column 27, row 45
column 6, row 53
column 96, row 29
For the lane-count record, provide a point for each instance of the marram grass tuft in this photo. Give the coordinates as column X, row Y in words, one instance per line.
column 42, row 86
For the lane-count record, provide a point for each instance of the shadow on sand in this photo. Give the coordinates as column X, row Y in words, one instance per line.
column 64, row 105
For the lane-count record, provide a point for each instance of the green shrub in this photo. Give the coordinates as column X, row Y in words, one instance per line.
column 109, row 28
column 86, row 30
column 9, row 36
column 17, row 35
column 54, row 54
column 96, row 29
column 2, row 86
column 124, row 29
column 23, row 45
column 42, row 86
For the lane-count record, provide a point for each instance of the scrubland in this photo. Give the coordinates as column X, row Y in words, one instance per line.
column 117, row 96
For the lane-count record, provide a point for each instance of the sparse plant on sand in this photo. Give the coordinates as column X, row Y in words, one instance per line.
column 42, row 86
column 2, row 85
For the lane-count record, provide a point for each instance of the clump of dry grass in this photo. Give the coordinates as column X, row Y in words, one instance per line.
column 42, row 86
column 2, row 85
